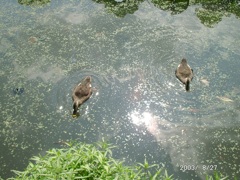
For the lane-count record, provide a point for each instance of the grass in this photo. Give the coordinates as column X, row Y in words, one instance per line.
column 91, row 162
column 86, row 161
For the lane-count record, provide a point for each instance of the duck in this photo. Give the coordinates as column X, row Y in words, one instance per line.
column 81, row 93
column 184, row 73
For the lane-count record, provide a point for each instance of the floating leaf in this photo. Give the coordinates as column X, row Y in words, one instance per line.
column 225, row 99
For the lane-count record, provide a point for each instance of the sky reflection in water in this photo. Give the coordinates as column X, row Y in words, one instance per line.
column 138, row 104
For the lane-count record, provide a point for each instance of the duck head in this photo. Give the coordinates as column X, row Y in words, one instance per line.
column 76, row 105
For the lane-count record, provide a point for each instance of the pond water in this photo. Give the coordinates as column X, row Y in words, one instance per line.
column 137, row 103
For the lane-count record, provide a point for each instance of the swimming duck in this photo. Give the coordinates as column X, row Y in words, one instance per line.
column 81, row 93
column 184, row 73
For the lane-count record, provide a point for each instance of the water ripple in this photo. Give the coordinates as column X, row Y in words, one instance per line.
column 62, row 91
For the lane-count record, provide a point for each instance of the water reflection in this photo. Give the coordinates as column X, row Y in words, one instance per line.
column 174, row 6
column 191, row 145
column 152, row 123
column 139, row 105
column 210, row 14
column 33, row 2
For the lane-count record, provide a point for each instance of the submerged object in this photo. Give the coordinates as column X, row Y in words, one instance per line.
column 80, row 94
column 184, row 73
column 18, row 90
column 224, row 98
column 32, row 39
column 205, row 81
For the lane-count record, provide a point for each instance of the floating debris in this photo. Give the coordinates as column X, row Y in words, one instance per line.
column 205, row 82
column 193, row 110
column 183, row 131
column 62, row 143
column 18, row 91
column 225, row 99
column 32, row 39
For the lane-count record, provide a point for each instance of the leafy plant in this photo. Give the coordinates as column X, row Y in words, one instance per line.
column 216, row 176
column 86, row 161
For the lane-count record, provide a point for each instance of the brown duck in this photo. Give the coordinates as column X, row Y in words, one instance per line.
column 81, row 93
column 184, row 73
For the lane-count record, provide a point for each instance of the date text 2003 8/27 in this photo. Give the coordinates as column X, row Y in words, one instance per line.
column 195, row 167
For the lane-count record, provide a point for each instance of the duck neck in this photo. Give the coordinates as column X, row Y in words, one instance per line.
column 187, row 84
column 75, row 107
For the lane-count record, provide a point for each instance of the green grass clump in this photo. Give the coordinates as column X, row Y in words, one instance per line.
column 86, row 161
column 91, row 162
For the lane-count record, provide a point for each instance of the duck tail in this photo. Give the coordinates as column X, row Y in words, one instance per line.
column 187, row 84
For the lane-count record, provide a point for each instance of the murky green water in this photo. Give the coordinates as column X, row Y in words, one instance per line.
column 138, row 103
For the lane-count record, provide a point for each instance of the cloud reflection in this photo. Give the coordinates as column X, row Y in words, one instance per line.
column 147, row 120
